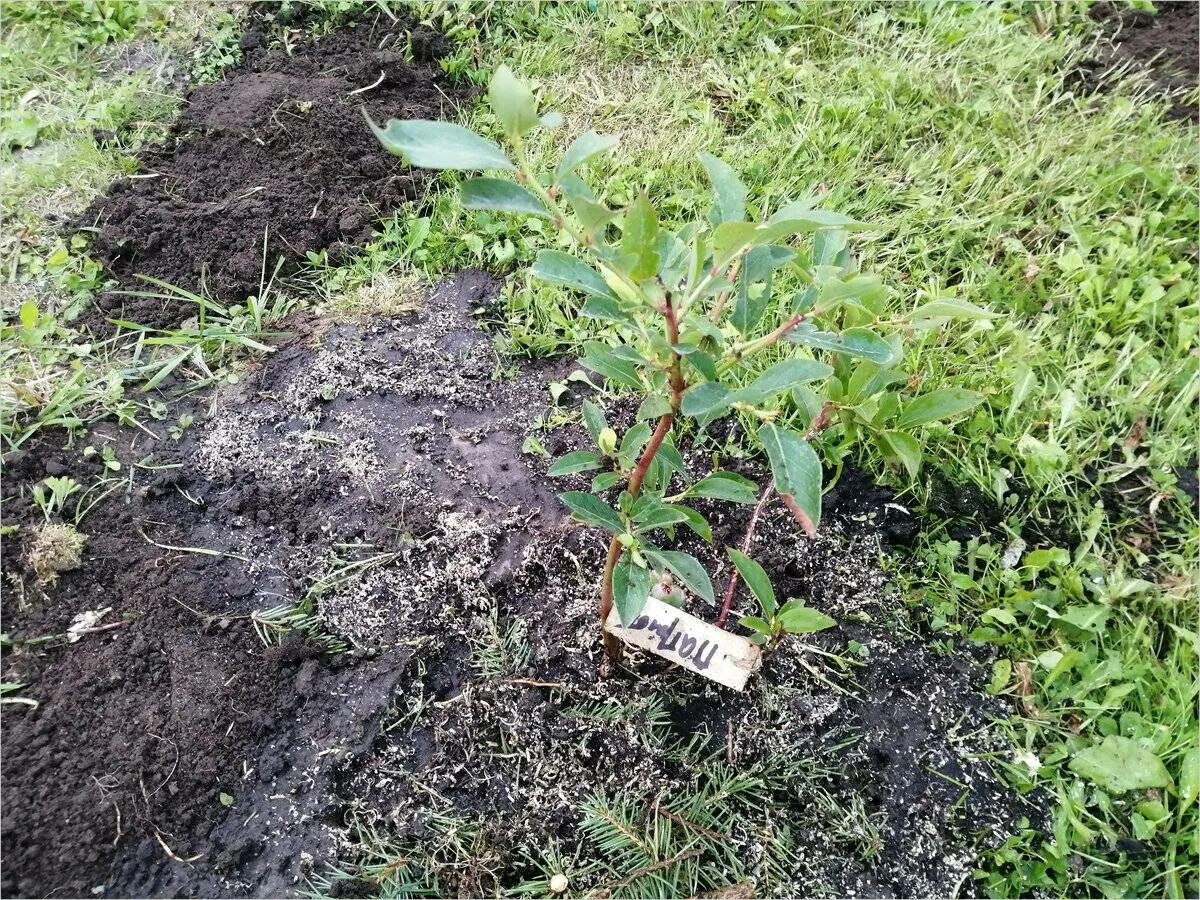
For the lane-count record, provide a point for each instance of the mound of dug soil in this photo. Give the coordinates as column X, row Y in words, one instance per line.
column 1162, row 43
column 426, row 672
column 277, row 153
column 146, row 727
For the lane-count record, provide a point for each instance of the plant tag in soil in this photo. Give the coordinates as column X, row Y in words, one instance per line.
column 689, row 642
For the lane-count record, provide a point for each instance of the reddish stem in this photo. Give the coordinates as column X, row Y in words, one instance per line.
column 612, row 646
column 819, row 423
column 731, row 588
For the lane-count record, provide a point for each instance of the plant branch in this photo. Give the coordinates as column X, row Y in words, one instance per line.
column 745, row 349
column 731, row 588
column 819, row 423
column 612, row 646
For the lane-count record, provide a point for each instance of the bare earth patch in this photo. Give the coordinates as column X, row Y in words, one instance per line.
column 368, row 481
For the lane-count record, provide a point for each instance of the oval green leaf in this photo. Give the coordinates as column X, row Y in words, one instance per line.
column 562, row 268
column 795, row 468
column 756, row 579
column 502, row 195
column 439, row 145
column 937, row 405
column 592, row 511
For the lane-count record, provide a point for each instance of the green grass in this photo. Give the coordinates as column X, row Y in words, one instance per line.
column 951, row 130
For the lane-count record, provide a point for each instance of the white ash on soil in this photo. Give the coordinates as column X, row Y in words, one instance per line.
column 475, row 623
column 489, row 595
column 523, row 751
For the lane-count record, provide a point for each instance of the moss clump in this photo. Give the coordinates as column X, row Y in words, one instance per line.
column 54, row 549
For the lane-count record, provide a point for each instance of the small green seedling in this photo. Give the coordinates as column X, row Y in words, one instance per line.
column 687, row 308
column 776, row 621
column 52, row 493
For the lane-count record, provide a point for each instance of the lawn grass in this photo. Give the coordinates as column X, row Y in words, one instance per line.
column 950, row 129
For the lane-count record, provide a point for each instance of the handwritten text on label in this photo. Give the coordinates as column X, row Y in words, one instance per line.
column 687, row 641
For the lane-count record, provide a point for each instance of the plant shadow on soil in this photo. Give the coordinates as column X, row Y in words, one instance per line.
column 470, row 618
column 372, row 476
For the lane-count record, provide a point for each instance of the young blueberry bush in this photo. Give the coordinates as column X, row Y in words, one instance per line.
column 691, row 307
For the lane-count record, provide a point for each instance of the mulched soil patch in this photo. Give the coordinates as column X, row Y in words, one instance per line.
column 1163, row 43
column 277, row 151
column 175, row 754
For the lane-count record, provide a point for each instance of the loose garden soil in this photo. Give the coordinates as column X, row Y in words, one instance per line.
column 1161, row 43
column 176, row 754
column 274, row 161
column 345, row 600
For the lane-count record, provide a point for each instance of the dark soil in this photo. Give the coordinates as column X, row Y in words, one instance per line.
column 140, row 729
column 176, row 754
column 277, row 151
column 1163, row 44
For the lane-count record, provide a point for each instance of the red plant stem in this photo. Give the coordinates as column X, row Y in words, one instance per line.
column 612, row 646
column 731, row 588
column 819, row 423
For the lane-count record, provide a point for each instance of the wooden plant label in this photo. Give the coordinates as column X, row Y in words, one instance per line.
column 687, row 641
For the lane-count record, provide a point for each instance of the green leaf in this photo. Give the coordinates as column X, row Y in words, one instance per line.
column 758, row 265
column 729, row 194
column 579, row 461
column 582, row 148
column 754, row 623
column 512, row 102
column 796, row 618
column 686, row 567
column 756, row 579
column 852, row 342
column 727, row 486
column 905, row 448
column 551, row 120
column 672, row 259
column 502, row 195
column 606, row 309
column 593, row 419
column 795, row 468
column 783, row 376
column 1189, row 778
column 702, row 363
column 1001, row 675
column 592, row 510
column 601, row 360
column 439, row 145
column 29, row 315
column 605, row 480
column 729, row 239
column 807, row 219
column 863, row 290
column 950, row 309
column 1121, row 764
column 639, row 238
column 562, row 268
column 633, row 441
column 828, row 245
column 937, row 405
column 654, row 406
column 671, row 457
column 592, row 216
column 658, row 515
column 631, row 588
column 1089, row 617
column 696, row 522
column 705, row 398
